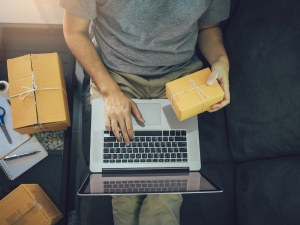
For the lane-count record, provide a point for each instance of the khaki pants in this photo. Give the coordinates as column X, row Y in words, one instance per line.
column 163, row 209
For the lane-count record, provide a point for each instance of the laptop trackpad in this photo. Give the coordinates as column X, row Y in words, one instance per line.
column 151, row 113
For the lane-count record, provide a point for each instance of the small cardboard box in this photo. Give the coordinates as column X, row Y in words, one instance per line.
column 38, row 93
column 28, row 204
column 186, row 99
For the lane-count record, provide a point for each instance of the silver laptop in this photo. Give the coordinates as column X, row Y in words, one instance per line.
column 164, row 151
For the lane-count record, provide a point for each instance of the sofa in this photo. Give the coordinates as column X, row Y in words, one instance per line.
column 250, row 148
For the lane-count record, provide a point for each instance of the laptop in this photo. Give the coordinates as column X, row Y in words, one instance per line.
column 163, row 157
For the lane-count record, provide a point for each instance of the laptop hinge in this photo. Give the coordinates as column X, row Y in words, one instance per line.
column 147, row 170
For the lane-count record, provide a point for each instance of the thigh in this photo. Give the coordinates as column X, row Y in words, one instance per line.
column 163, row 209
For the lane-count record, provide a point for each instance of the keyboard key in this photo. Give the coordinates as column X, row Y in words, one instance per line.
column 136, row 139
column 179, row 155
column 138, row 185
column 184, row 155
column 107, row 186
column 154, row 139
column 130, row 160
column 136, row 160
column 178, row 132
column 132, row 156
column 142, row 139
column 105, row 150
column 162, row 144
column 135, row 150
column 182, row 149
column 115, row 156
column 148, row 160
column 168, row 144
column 155, row 160
column 159, row 139
column 145, row 144
column 111, row 133
column 157, row 144
column 183, row 133
column 174, row 144
column 143, row 160
column 129, row 150
column 173, row 155
column 170, row 149
column 173, row 160
column 108, row 145
column 181, row 144
column 124, row 160
column 176, row 150
column 122, row 144
column 153, row 150
column 117, row 144
column 112, row 161
column 133, row 144
column 165, row 138
column 147, row 150
column 164, row 150
column 148, row 133
column 126, row 156
column 185, row 160
column 166, row 133
column 161, row 155
column 106, row 132
column 167, row 160
column 155, row 156
column 111, row 150
column 158, row 150
column 171, row 138
column 105, row 161
column 138, row 156
column 117, row 150
column 130, row 145
column 148, row 139
column 167, row 155
column 118, row 161
column 172, row 133
column 144, row 156
column 161, row 160
column 107, row 156
column 140, row 144
column 141, row 150
column 180, row 138
column 151, row 144
column 150, row 156
column 179, row 160
column 120, row 156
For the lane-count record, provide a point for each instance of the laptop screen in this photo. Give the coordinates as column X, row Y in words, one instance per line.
column 147, row 183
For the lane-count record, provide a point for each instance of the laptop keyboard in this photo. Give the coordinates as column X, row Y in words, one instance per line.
column 146, row 147
column 145, row 186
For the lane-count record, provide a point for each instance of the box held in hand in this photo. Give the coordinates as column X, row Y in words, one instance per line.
column 38, row 93
column 28, row 204
column 190, row 95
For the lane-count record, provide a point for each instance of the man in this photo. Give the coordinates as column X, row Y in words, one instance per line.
column 142, row 45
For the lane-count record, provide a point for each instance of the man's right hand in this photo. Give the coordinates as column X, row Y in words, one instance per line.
column 118, row 109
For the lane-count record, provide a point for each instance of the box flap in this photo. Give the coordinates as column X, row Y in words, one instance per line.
column 50, row 102
column 15, row 205
column 19, row 74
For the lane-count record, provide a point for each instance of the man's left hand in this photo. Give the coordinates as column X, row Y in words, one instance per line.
column 220, row 72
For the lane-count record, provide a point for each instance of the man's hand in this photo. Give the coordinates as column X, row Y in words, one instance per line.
column 220, row 72
column 118, row 109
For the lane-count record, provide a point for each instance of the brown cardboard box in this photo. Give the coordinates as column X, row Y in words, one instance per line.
column 28, row 204
column 188, row 103
column 45, row 108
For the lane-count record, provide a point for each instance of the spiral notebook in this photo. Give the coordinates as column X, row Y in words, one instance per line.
column 16, row 167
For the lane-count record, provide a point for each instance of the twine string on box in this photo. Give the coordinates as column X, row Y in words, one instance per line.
column 35, row 88
column 195, row 88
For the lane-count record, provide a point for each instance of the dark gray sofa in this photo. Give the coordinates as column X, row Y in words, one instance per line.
column 252, row 147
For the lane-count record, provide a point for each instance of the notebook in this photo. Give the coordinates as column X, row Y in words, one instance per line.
column 17, row 139
column 16, row 167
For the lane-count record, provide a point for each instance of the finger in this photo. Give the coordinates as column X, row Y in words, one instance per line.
column 213, row 76
column 129, row 127
column 124, row 132
column 137, row 112
column 114, row 127
column 107, row 123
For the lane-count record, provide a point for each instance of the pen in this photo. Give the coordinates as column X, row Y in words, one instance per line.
column 20, row 156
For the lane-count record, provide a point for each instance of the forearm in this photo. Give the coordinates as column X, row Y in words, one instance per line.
column 85, row 52
column 210, row 44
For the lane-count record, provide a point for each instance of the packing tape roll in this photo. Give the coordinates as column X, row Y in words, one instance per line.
column 4, row 89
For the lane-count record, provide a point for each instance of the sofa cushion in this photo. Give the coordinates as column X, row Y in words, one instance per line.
column 262, row 42
column 268, row 191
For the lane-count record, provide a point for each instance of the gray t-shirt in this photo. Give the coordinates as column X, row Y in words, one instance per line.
column 152, row 37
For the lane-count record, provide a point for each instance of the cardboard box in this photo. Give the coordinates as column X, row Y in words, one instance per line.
column 187, row 103
column 45, row 108
column 28, row 204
